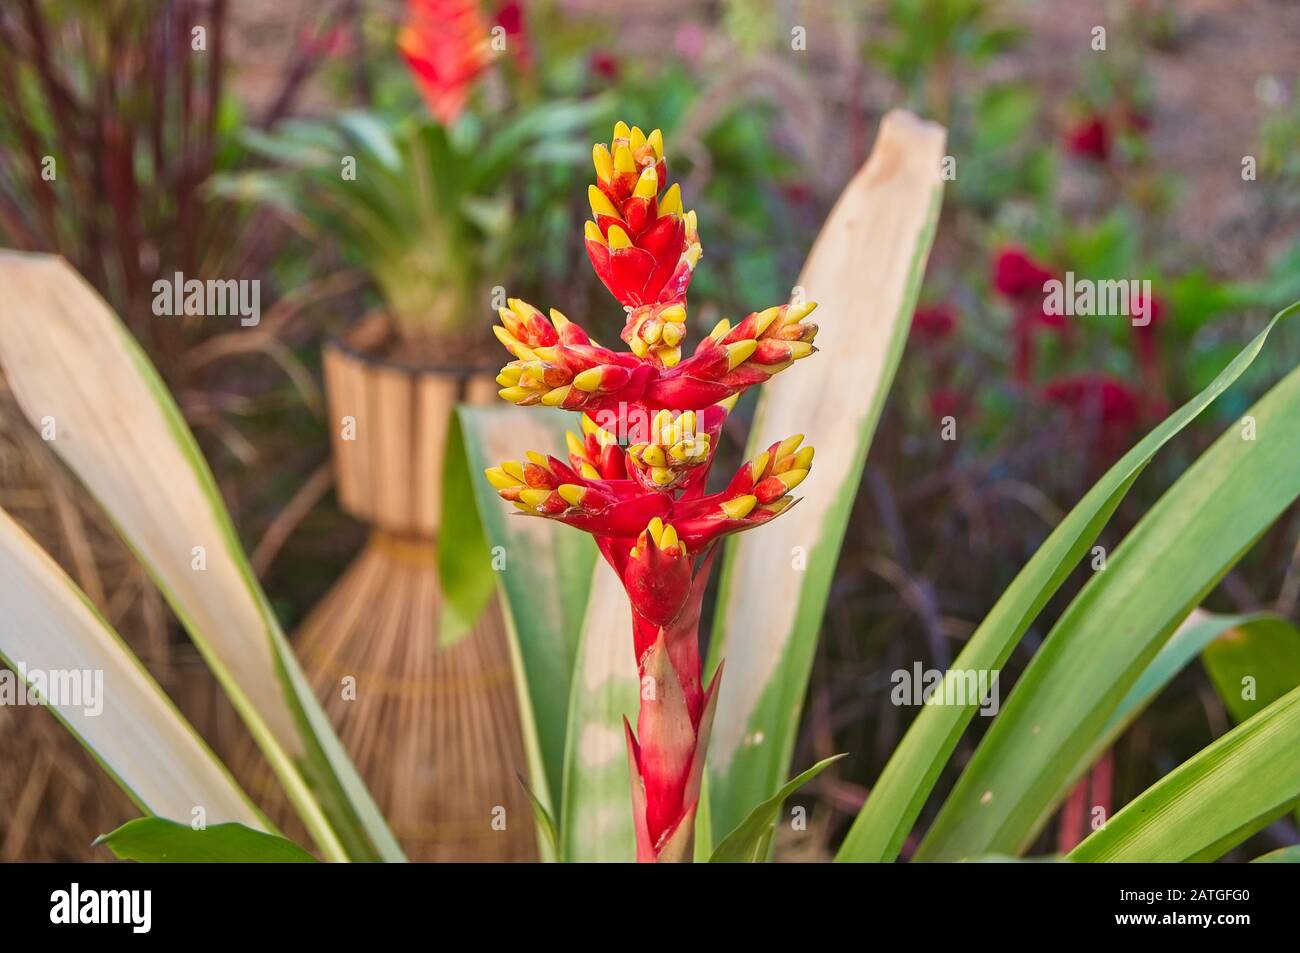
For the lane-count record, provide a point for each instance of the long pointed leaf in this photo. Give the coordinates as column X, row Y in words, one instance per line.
column 908, row 778
column 597, row 820
column 152, row 840
column 74, row 367
column 544, row 579
column 1214, row 800
column 865, row 271
column 1094, row 654
column 129, row 725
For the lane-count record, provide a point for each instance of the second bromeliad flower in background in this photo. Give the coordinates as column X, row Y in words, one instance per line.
column 635, row 477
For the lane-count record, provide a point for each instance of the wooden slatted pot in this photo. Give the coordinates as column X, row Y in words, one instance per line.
column 434, row 729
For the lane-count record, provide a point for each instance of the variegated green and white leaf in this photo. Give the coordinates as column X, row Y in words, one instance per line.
column 118, row 712
column 543, row 574
column 597, row 820
column 865, row 272
column 78, row 374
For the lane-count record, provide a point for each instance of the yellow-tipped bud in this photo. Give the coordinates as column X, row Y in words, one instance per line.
column 510, row 375
column 636, row 139
column 671, row 203
column 804, row 458
column 534, row 497
column 668, row 540
column 537, row 458
column 720, row 330
column 792, row 478
column 557, row 317
column 692, row 254
column 591, row 232
column 589, row 380
column 514, row 394
column 589, row 472
column 571, row 493
column 603, row 161
column 638, row 345
column 797, row 312
column 512, row 344
column 758, row 466
column 728, row 403
column 523, row 507
column 656, row 141
column 764, row 319
column 692, row 224
column 499, row 478
column 672, row 334
column 515, row 469
column 554, row 398
column 590, row 427
column 799, row 349
column 739, row 352
column 656, row 529
column 621, row 130
column 653, row 456
column 600, row 203
column 740, row 507
column 779, row 505
column 650, row 331
column 623, row 161
column 575, row 444
column 662, row 476
column 618, row 238
column 673, row 314
column 789, row 445
column 647, row 187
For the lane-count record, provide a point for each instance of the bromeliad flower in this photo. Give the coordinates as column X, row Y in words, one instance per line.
column 636, row 474
column 445, row 44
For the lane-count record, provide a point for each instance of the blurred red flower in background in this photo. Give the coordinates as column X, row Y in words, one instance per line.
column 1089, row 138
column 604, row 64
column 1016, row 275
column 445, row 45
column 1106, row 408
column 934, row 324
column 510, row 17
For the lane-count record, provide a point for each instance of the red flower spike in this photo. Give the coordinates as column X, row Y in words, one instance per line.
column 635, row 474
column 446, row 46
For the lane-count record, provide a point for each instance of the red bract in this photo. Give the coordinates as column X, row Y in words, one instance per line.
column 635, row 478
column 1107, row 408
column 445, row 44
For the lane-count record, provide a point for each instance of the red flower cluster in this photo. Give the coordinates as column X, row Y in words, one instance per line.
column 635, row 477
column 445, row 45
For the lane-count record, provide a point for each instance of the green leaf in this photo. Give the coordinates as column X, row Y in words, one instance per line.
column 544, row 581
column 749, row 842
column 865, row 270
column 901, row 790
column 1214, row 800
column 122, row 717
column 1197, row 631
column 465, row 564
column 545, row 823
column 70, row 361
column 153, row 840
column 1267, row 652
column 1094, row 654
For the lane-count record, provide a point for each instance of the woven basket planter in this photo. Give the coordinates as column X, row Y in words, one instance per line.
column 433, row 728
